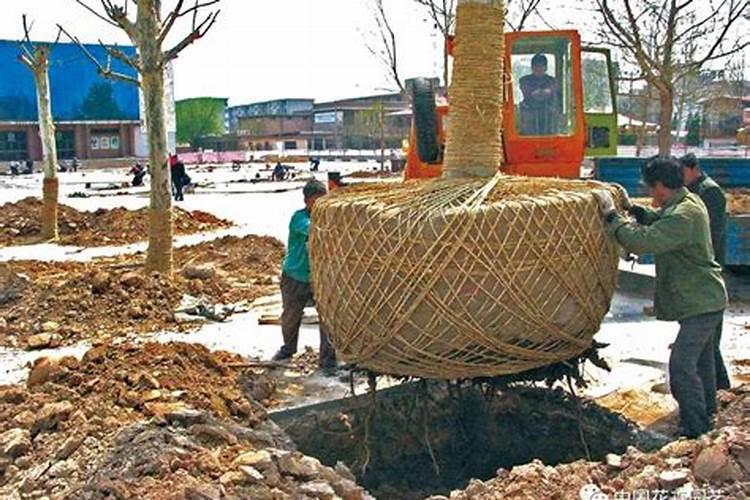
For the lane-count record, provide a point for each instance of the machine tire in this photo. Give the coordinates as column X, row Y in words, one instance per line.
column 425, row 120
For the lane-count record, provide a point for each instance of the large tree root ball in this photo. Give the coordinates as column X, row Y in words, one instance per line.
column 459, row 279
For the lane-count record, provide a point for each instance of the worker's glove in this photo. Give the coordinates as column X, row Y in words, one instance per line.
column 639, row 213
column 606, row 203
column 626, row 203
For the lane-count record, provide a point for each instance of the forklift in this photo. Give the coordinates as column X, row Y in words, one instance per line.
column 580, row 118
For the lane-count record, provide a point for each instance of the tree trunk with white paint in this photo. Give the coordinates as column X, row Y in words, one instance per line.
column 159, row 255
column 49, row 147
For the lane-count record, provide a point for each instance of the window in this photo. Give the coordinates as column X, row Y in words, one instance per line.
column 107, row 140
column 543, row 86
column 290, row 145
column 66, row 144
column 597, row 92
column 13, row 146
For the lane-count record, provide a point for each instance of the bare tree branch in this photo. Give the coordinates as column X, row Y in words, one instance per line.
column 105, row 71
column 527, row 9
column 388, row 52
column 670, row 42
column 116, row 53
column 198, row 32
column 97, row 14
column 30, row 51
column 114, row 15
column 169, row 21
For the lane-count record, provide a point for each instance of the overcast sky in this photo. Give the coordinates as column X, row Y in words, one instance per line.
column 269, row 49
column 264, row 49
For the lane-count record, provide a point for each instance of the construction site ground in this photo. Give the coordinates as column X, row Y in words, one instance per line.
column 193, row 319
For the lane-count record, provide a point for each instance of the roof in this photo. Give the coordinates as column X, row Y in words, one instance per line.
column 625, row 121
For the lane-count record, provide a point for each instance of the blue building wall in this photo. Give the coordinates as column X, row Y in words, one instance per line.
column 78, row 92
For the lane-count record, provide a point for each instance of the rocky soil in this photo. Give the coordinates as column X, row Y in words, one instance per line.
column 156, row 421
column 716, row 465
column 20, row 224
column 738, row 201
column 47, row 304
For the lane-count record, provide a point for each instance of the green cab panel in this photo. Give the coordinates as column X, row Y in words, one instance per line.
column 599, row 102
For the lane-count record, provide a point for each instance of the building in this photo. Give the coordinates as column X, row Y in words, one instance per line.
column 95, row 118
column 303, row 125
column 361, row 122
column 723, row 116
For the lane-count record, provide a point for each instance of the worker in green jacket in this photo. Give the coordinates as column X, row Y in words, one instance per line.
column 716, row 203
column 296, row 288
column 689, row 285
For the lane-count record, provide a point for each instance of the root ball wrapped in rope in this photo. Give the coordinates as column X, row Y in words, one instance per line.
column 473, row 275
column 456, row 279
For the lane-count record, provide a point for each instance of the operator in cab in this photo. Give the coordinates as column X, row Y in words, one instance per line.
column 539, row 105
column 690, row 288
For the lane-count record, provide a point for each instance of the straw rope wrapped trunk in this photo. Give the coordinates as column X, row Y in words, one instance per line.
column 473, row 275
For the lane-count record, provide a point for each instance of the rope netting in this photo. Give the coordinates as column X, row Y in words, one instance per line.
column 473, row 275
column 456, row 279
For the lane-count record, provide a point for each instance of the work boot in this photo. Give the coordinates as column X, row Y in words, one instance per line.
column 282, row 354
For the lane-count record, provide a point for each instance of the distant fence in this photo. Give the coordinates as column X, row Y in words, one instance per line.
column 290, row 155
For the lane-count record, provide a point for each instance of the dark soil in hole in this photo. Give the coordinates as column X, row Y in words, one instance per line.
column 423, row 439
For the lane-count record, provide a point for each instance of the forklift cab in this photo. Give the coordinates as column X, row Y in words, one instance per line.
column 559, row 106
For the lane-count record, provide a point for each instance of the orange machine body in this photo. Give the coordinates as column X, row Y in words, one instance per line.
column 559, row 155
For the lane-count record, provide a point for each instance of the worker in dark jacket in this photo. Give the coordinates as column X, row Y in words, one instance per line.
column 713, row 197
column 296, row 287
column 689, row 284
column 180, row 179
column 716, row 203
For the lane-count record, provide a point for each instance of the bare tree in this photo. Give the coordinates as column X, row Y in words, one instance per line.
column 443, row 15
column 671, row 39
column 35, row 56
column 385, row 47
column 520, row 12
column 148, row 33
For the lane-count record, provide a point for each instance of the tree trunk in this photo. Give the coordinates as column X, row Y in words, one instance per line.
column 159, row 255
column 666, row 105
column 475, row 146
column 641, row 135
column 382, row 139
column 446, row 58
column 49, row 146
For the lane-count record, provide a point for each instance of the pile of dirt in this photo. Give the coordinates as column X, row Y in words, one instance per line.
column 738, row 201
column 716, row 465
column 21, row 224
column 54, row 303
column 154, row 421
column 373, row 174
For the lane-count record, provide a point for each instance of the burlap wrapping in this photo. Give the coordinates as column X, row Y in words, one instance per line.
column 50, row 190
column 474, row 145
column 159, row 256
column 449, row 279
